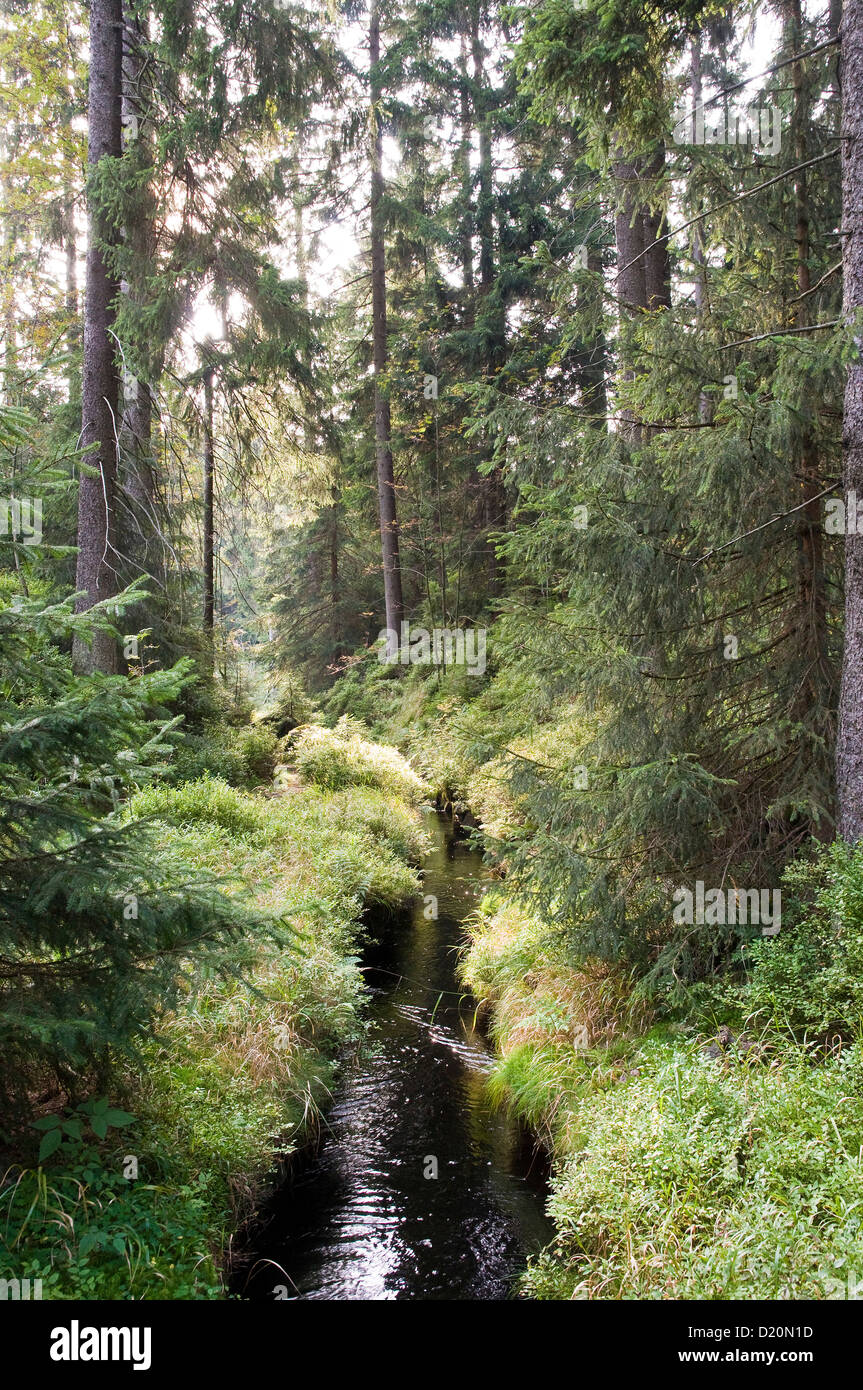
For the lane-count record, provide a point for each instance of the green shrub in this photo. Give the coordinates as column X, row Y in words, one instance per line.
column 258, row 750
column 242, row 757
column 695, row 1180
column 97, row 923
column 209, row 801
column 345, row 757
column 206, row 754
column 387, row 821
column 809, row 978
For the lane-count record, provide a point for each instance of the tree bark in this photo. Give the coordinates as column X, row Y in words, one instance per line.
column 643, row 266
column 139, row 521
column 631, row 284
column 657, row 264
column 698, row 253
column 493, row 321
column 208, row 522
column 849, row 743
column 394, row 602
column 816, row 687
column 73, row 332
column 465, row 231
column 96, row 578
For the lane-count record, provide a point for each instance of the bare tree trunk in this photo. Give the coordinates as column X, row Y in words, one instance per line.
column 643, row 266
column 849, row 743
column 393, row 599
column 629, row 240
column 493, row 493
column 657, row 265
column 73, row 332
column 699, row 256
column 136, row 436
column 697, row 243
column 631, row 284
column 815, row 691
column 464, row 171
column 97, row 572
column 208, row 522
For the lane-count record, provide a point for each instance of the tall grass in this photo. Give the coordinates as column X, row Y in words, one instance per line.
column 346, row 757
column 682, row 1171
column 242, row 1071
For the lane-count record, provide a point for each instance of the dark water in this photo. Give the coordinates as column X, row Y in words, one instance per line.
column 362, row 1220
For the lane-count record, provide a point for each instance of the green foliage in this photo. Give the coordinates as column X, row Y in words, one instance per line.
column 369, row 692
column 68, row 1133
column 242, row 1065
column 212, row 753
column 683, row 1173
column 210, row 800
column 258, row 749
column 345, row 757
column 96, row 921
column 120, row 1239
column 809, row 978
column 694, row 1181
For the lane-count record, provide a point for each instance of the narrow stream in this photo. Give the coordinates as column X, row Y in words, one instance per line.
column 367, row 1218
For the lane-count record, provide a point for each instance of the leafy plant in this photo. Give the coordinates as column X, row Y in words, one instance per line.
column 69, row 1132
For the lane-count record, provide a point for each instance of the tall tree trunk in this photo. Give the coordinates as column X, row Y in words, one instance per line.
column 138, row 475
column 593, row 373
column 491, row 312
column 657, row 264
column 393, row 599
column 697, row 251
column 697, row 244
column 849, row 743
column 631, row 284
column 643, row 266
column 9, row 222
column 465, row 235
column 208, row 523
column 73, row 332
column 309, row 442
column 96, row 578
column 816, row 689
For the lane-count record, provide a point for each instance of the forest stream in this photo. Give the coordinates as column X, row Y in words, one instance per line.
column 420, row 1188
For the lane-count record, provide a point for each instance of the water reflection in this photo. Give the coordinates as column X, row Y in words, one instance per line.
column 363, row 1220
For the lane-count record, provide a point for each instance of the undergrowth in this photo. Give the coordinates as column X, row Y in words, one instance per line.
column 143, row 1208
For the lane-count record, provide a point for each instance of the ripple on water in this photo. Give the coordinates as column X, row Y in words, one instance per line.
column 364, row 1220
